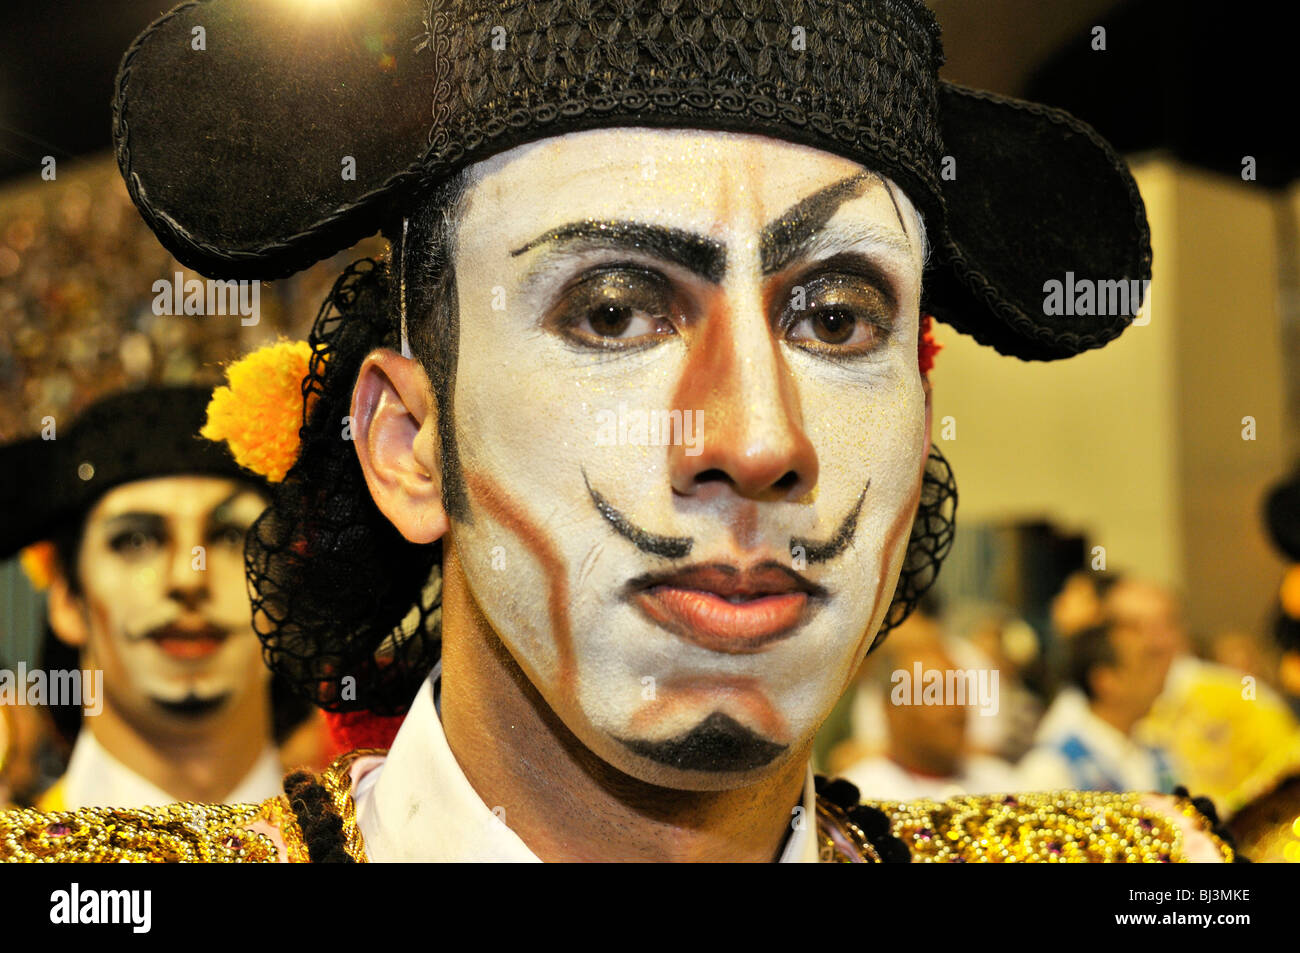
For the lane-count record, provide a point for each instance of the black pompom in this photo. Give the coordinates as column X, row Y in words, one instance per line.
column 841, row 793
column 892, row 850
column 872, row 821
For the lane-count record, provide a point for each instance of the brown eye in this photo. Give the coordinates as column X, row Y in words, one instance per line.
column 617, row 307
column 611, row 320
column 832, row 325
column 843, row 316
column 232, row 536
column 133, row 542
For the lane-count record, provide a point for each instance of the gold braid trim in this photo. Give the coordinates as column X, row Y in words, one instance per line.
column 1055, row 827
column 280, row 815
column 337, row 782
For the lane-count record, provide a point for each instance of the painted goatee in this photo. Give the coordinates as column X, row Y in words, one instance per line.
column 718, row 743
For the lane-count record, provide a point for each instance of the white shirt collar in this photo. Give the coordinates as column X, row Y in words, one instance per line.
column 97, row 779
column 417, row 805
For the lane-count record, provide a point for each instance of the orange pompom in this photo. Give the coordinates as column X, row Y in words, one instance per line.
column 39, row 563
column 1290, row 594
column 259, row 414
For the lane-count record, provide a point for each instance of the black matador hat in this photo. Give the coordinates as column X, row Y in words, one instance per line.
column 234, row 122
column 1282, row 516
column 257, row 138
column 53, row 479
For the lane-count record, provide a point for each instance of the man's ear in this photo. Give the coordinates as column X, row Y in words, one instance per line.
column 394, row 428
column 65, row 611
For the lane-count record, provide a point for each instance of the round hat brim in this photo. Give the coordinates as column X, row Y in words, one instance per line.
column 295, row 131
column 1282, row 517
column 1036, row 197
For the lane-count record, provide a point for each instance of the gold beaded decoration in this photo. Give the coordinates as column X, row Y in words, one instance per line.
column 1056, row 827
column 279, row 814
column 176, row 833
column 839, row 840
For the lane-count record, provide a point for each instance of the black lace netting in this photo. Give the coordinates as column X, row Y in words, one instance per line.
column 349, row 612
column 932, row 533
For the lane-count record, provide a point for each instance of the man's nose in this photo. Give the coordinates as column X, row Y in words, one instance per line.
column 749, row 425
column 187, row 584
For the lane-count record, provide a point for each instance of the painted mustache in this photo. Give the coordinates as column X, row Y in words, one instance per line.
column 679, row 547
column 719, row 606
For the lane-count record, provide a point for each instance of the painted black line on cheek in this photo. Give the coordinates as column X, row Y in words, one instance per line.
column 669, row 547
column 816, row 552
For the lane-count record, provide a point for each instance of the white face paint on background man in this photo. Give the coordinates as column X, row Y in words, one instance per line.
column 163, row 607
column 691, row 617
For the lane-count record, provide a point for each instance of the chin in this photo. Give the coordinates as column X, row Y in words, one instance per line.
column 718, row 754
column 192, row 707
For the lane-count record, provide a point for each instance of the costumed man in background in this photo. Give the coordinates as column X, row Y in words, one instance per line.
column 614, row 629
column 136, row 526
column 1213, row 729
column 1120, row 672
column 928, row 746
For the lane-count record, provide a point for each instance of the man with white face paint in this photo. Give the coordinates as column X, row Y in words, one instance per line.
column 136, row 528
column 616, row 649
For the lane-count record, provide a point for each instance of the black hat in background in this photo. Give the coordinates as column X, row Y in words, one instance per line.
column 126, row 436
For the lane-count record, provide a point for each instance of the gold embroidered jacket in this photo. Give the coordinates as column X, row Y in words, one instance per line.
column 1066, row 826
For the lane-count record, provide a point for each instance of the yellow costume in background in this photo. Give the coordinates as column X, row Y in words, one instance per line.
column 1227, row 738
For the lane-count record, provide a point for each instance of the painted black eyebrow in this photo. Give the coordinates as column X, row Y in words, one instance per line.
column 220, row 514
column 137, row 520
column 781, row 241
column 702, row 256
column 788, row 236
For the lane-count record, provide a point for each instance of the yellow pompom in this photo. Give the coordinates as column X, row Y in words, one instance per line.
column 258, row 415
column 38, row 561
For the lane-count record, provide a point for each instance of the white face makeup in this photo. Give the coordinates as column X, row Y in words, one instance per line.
column 691, row 599
column 171, row 628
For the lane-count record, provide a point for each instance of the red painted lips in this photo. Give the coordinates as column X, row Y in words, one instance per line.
column 189, row 642
column 726, row 609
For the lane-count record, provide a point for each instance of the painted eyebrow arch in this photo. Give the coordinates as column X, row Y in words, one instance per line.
column 136, row 518
column 705, row 257
column 220, row 514
column 784, row 239
column 792, row 234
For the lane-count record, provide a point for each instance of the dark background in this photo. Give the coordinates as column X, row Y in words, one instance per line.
column 1208, row 81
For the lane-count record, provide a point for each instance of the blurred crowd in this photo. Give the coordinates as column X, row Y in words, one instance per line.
column 77, row 273
column 1118, row 696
